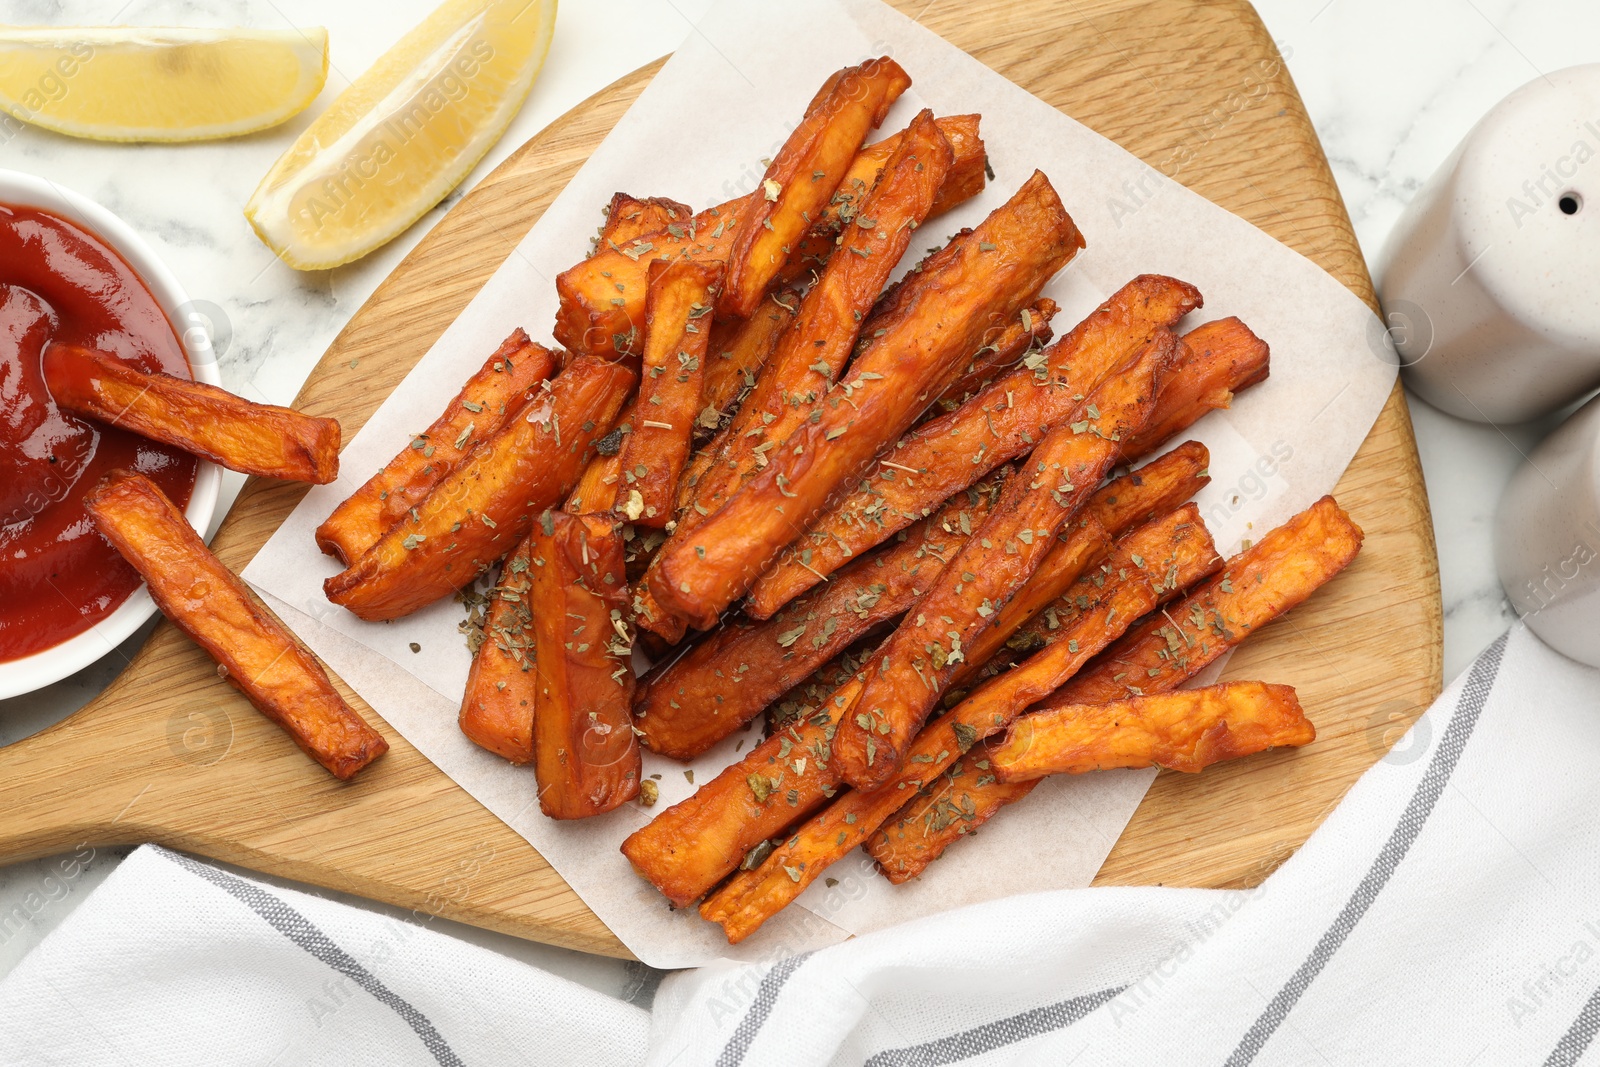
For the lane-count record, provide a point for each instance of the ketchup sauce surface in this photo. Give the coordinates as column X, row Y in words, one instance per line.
column 58, row 282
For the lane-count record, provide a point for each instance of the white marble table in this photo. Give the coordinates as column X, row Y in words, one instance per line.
column 1390, row 86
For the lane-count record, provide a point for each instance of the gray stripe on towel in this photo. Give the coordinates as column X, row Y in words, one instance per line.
column 766, row 996
column 300, row 930
column 993, row 1035
column 1480, row 683
column 1575, row 1042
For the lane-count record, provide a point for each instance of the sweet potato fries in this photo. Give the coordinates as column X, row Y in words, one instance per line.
column 909, row 517
column 491, row 396
column 487, row 505
column 584, row 753
column 254, row 651
column 251, row 438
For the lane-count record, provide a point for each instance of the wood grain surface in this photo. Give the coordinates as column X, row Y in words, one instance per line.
column 169, row 753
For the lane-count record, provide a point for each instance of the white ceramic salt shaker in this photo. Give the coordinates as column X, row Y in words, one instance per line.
column 1489, row 279
column 1547, row 537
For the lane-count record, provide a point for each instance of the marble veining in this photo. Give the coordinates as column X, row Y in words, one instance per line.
column 1390, row 87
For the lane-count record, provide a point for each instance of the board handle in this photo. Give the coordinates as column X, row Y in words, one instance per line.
column 103, row 775
column 63, row 789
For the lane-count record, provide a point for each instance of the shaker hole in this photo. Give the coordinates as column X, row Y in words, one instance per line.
column 1570, row 203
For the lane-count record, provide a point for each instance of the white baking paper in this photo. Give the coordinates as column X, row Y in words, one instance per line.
column 753, row 67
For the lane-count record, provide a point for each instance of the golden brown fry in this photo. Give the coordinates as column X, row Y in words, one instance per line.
column 1184, row 730
column 488, row 504
column 915, row 665
column 943, row 310
column 1256, row 586
column 677, row 329
column 1002, row 422
column 1123, row 591
column 732, row 674
column 1154, row 489
column 629, row 218
column 1003, row 346
column 584, row 753
column 1223, row 358
column 802, row 177
column 652, row 617
column 741, row 347
column 596, row 491
column 1161, row 654
column 254, row 651
column 497, row 709
column 813, row 350
column 490, row 397
column 259, row 439
column 965, row 180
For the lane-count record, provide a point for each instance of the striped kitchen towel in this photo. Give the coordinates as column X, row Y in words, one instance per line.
column 175, row 962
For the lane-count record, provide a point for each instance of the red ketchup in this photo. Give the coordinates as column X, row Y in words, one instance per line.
column 58, row 282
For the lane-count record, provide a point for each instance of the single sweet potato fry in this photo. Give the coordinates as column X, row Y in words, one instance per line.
column 1123, row 591
column 1183, row 730
column 1157, row 656
column 629, row 218
column 965, row 180
column 940, row 314
column 729, row 820
column 251, row 438
column 1004, row 347
column 732, row 674
column 1002, row 422
column 585, row 756
column 739, row 348
column 497, row 708
column 813, row 350
column 916, row 663
column 1224, row 357
column 802, row 177
column 1154, row 489
column 488, row 504
column 490, row 397
column 254, row 651
column 596, row 491
column 677, row 329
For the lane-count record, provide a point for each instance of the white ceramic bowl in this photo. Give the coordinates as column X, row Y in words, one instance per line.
column 25, row 190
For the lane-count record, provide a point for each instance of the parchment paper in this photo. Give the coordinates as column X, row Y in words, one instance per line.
column 731, row 94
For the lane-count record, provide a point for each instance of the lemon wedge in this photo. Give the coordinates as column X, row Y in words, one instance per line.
column 404, row 134
column 125, row 83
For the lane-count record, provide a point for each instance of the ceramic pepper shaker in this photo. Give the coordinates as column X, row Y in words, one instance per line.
column 1491, row 279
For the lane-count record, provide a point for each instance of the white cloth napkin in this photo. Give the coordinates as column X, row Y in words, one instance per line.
column 1448, row 911
column 175, row 962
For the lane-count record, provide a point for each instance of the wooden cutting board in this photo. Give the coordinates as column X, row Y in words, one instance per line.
column 169, row 753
